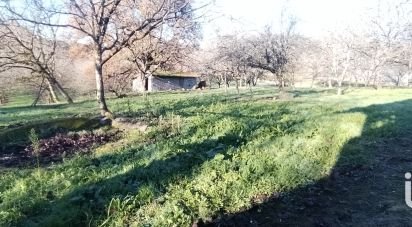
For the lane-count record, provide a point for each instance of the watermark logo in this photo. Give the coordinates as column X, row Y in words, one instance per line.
column 408, row 189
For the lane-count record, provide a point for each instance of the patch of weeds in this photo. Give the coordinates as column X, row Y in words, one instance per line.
column 35, row 145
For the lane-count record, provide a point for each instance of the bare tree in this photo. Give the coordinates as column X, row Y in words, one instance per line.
column 216, row 66
column 109, row 25
column 253, row 75
column 313, row 61
column 385, row 43
column 231, row 51
column 212, row 70
column 31, row 47
column 340, row 52
column 272, row 52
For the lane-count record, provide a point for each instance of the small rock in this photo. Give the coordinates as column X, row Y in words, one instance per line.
column 214, row 151
column 105, row 121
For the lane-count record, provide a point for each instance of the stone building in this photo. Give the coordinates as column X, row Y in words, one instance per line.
column 166, row 81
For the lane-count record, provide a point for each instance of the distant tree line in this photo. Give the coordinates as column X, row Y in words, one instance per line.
column 377, row 55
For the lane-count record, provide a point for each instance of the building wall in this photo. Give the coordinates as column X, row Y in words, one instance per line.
column 158, row 83
column 171, row 83
column 138, row 85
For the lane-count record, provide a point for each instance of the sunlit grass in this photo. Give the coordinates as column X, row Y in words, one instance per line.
column 205, row 153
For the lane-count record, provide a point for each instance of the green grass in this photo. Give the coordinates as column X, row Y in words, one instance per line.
column 206, row 153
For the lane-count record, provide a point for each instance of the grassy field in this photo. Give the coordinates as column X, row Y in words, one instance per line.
column 221, row 158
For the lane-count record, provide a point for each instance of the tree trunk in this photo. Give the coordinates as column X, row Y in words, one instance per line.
column 52, row 91
column 63, row 92
column 100, row 86
column 312, row 82
column 250, row 88
column 399, row 79
column 254, row 81
column 377, row 82
column 342, row 78
column 339, row 88
column 226, row 84
column 145, row 82
column 330, row 83
column 36, row 100
column 244, row 82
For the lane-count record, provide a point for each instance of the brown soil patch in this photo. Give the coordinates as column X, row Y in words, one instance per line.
column 55, row 148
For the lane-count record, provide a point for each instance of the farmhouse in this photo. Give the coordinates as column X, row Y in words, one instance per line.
column 166, row 81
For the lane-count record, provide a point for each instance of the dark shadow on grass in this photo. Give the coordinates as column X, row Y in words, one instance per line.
column 16, row 109
column 195, row 102
column 17, row 116
column 365, row 188
column 179, row 106
column 76, row 208
column 90, row 201
column 311, row 92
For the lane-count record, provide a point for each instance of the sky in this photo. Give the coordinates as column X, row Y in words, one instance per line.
column 315, row 17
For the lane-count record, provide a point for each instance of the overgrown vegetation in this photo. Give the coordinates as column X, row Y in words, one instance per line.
column 204, row 154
